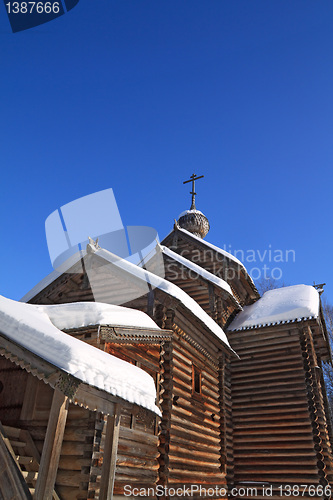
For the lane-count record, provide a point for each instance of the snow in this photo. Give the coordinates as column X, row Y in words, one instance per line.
column 169, row 288
column 292, row 303
column 187, row 212
column 145, row 276
column 218, row 250
column 79, row 314
column 213, row 247
column 197, row 269
column 32, row 327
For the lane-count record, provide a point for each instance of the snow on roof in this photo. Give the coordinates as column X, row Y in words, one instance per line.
column 197, row 269
column 146, row 276
column 33, row 327
column 186, row 212
column 167, row 287
column 79, row 314
column 213, row 247
column 220, row 251
column 282, row 305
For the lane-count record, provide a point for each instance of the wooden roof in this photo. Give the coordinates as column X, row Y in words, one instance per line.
column 112, row 285
column 200, row 284
column 216, row 261
column 78, row 392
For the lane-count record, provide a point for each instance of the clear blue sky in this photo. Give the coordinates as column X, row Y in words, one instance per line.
column 137, row 95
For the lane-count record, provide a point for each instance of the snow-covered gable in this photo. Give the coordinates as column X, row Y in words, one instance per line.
column 169, row 288
column 146, row 276
column 33, row 327
column 218, row 250
column 213, row 247
column 200, row 271
column 197, row 269
column 282, row 305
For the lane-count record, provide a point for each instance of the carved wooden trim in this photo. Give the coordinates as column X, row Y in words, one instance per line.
column 160, row 316
column 165, row 401
column 68, row 385
column 133, row 336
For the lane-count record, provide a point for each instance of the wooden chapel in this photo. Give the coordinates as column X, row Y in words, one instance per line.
column 242, row 396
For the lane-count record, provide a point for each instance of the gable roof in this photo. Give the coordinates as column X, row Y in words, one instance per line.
column 203, row 245
column 192, row 272
column 167, row 287
column 143, row 276
column 206, row 243
column 222, row 284
column 281, row 305
column 213, row 247
column 33, row 328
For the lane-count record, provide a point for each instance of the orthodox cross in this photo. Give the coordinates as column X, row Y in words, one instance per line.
column 192, row 179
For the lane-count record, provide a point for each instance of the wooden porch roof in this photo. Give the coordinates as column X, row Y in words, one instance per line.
column 78, row 392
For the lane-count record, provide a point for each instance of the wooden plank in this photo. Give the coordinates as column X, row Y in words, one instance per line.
column 52, row 447
column 29, row 401
column 98, row 400
column 110, row 455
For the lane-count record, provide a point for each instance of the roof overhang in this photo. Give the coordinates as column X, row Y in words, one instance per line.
column 78, row 392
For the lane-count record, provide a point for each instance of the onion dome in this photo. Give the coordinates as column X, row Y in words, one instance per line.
column 193, row 220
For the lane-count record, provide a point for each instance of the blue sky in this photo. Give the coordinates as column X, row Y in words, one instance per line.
column 137, row 95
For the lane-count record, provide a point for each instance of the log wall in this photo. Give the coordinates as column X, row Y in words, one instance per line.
column 195, row 424
column 279, row 424
column 13, row 382
column 137, row 464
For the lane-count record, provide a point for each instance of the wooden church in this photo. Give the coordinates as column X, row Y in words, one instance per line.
column 242, row 409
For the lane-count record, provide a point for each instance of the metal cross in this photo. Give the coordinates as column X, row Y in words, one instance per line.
column 193, row 193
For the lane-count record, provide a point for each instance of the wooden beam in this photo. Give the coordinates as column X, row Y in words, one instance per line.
column 110, row 455
column 29, row 402
column 52, row 447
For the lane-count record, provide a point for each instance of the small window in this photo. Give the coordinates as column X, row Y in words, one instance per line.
column 196, row 380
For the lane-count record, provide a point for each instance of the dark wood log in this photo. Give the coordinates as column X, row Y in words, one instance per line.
column 52, row 447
